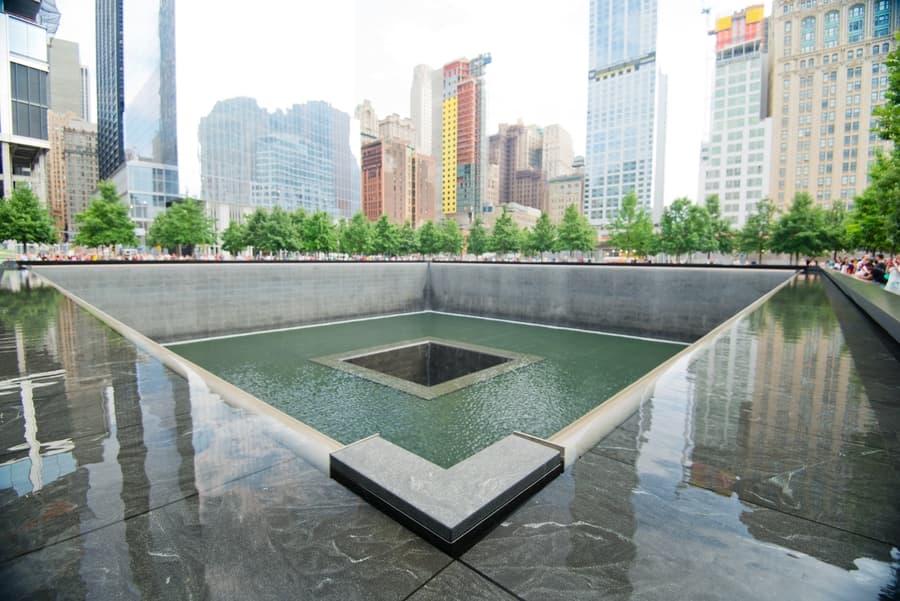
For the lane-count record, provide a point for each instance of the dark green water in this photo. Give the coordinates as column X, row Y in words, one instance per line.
column 579, row 372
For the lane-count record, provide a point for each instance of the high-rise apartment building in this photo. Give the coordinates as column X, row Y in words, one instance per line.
column 397, row 182
column 72, row 169
column 68, row 79
column 734, row 163
column 23, row 99
column 136, row 119
column 295, row 158
column 517, row 150
column 557, row 153
column 626, row 110
column 828, row 73
column 463, row 138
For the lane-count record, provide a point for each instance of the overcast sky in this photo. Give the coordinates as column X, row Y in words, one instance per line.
column 343, row 51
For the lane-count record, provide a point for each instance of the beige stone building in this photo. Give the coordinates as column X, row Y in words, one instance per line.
column 564, row 191
column 72, row 169
column 827, row 74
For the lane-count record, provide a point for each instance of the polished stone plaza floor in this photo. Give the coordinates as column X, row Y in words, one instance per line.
column 764, row 466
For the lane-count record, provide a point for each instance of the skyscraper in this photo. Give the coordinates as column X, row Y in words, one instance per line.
column 829, row 72
column 626, row 110
column 421, row 97
column 294, row 158
column 68, row 79
column 23, row 99
column 463, row 138
column 734, row 164
column 136, row 118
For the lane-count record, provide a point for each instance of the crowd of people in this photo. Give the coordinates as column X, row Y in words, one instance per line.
column 875, row 269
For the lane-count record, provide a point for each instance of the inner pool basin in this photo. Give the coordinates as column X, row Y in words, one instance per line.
column 441, row 386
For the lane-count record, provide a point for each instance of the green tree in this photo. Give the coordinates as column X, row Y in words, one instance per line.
column 282, row 231
column 800, row 231
column 234, row 238
column 477, row 244
column 719, row 228
column 451, row 237
column 319, row 233
column 356, row 236
column 754, row 236
column 874, row 222
column 575, row 232
column 632, row 229
column 505, row 236
column 888, row 114
column 429, row 237
column 385, row 238
column 105, row 221
column 255, row 234
column 298, row 219
column 543, row 237
column 407, row 242
column 683, row 228
column 181, row 227
column 24, row 219
column 836, row 237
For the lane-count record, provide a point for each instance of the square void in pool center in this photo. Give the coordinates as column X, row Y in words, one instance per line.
column 428, row 367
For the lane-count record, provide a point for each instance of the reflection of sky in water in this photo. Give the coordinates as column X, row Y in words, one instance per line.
column 17, row 474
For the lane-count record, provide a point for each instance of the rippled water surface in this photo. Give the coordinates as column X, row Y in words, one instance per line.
column 579, row 371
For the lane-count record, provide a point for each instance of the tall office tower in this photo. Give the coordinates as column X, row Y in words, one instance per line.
column 463, row 141
column 136, row 120
column 295, row 158
column 828, row 74
column 421, row 98
column 734, row 164
column 72, row 168
column 397, row 182
column 626, row 110
column 68, row 91
column 23, row 99
column 557, row 152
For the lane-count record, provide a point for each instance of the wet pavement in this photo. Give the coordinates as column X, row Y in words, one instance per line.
column 764, row 466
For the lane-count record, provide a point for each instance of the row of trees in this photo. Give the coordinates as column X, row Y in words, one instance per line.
column 184, row 225
column 687, row 228
column 268, row 232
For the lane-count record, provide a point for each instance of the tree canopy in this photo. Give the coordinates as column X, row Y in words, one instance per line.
column 479, row 238
column 105, row 221
column 800, row 231
column 632, row 229
column 183, row 226
column 24, row 219
column 754, row 236
column 575, row 232
column 505, row 235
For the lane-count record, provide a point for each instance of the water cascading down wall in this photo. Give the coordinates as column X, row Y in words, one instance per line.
column 172, row 302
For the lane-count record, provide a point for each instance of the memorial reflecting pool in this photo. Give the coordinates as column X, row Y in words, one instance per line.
column 576, row 372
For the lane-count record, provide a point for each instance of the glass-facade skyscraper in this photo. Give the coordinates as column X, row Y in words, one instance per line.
column 626, row 110
column 293, row 159
column 136, row 118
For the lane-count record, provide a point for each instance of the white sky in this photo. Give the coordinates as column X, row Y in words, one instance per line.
column 343, row 51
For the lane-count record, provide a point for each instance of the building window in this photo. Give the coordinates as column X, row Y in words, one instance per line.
column 882, row 18
column 832, row 29
column 856, row 23
column 808, row 34
column 29, row 101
